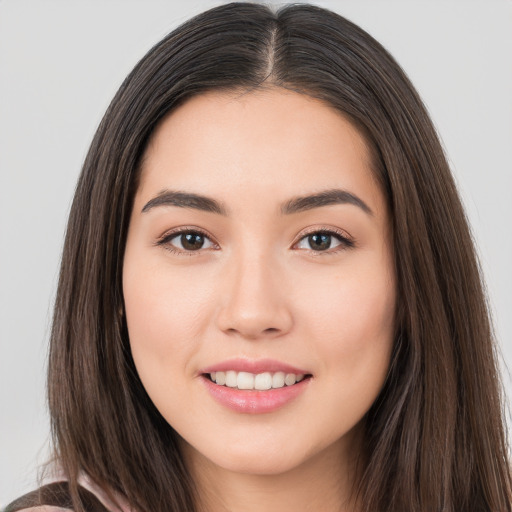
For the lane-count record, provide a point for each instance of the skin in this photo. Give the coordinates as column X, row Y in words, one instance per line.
column 258, row 289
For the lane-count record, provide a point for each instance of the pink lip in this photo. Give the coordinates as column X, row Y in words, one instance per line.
column 254, row 402
column 256, row 366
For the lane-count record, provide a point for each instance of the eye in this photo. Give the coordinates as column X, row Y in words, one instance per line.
column 186, row 241
column 323, row 240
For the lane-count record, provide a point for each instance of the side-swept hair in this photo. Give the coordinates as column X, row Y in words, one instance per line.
column 435, row 437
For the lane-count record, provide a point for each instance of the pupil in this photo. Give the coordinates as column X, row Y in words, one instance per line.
column 192, row 241
column 320, row 241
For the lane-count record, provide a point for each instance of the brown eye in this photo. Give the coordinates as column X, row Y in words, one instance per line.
column 319, row 241
column 192, row 241
column 186, row 241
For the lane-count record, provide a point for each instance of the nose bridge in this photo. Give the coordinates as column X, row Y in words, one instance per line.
column 254, row 303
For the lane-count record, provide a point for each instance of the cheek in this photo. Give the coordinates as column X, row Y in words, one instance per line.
column 354, row 329
column 164, row 307
column 352, row 323
column 165, row 311
column 165, row 317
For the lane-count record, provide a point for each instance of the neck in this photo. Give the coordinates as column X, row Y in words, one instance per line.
column 326, row 482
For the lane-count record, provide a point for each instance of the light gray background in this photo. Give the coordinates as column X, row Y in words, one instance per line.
column 62, row 61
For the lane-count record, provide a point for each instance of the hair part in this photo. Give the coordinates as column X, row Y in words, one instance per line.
column 428, row 444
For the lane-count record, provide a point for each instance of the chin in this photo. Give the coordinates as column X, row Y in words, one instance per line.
column 270, row 457
column 253, row 459
column 259, row 465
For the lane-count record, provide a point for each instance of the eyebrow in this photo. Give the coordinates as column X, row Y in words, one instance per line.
column 294, row 205
column 185, row 200
column 324, row 198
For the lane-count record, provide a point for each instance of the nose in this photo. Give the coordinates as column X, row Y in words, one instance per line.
column 254, row 304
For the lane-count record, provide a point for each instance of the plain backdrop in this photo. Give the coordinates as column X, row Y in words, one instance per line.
column 61, row 62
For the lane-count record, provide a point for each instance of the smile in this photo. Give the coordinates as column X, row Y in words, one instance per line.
column 255, row 387
column 259, row 382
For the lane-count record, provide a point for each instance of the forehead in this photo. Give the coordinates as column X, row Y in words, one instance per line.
column 268, row 141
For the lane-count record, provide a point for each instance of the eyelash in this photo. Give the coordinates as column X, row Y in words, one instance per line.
column 165, row 240
column 346, row 241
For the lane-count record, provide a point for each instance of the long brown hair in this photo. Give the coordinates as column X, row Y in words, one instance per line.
column 435, row 437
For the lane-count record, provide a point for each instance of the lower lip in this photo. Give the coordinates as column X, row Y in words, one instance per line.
column 254, row 402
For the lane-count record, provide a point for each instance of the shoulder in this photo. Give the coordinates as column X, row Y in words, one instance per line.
column 55, row 497
column 42, row 508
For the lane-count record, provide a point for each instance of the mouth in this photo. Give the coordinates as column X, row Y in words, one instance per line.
column 255, row 387
column 255, row 381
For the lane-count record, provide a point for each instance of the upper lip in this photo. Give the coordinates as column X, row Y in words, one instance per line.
column 253, row 366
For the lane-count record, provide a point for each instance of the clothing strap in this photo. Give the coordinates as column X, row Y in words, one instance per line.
column 56, row 495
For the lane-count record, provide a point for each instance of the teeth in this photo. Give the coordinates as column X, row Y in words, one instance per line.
column 245, row 380
column 263, row 381
column 290, row 378
column 250, row 381
column 231, row 379
column 278, row 380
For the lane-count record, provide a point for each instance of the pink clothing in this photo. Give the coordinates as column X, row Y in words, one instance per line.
column 45, row 508
column 87, row 484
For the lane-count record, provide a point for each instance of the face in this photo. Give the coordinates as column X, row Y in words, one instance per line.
column 258, row 279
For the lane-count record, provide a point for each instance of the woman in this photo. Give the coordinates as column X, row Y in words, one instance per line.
column 269, row 295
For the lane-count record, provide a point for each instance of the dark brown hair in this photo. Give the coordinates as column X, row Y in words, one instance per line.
column 435, row 437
